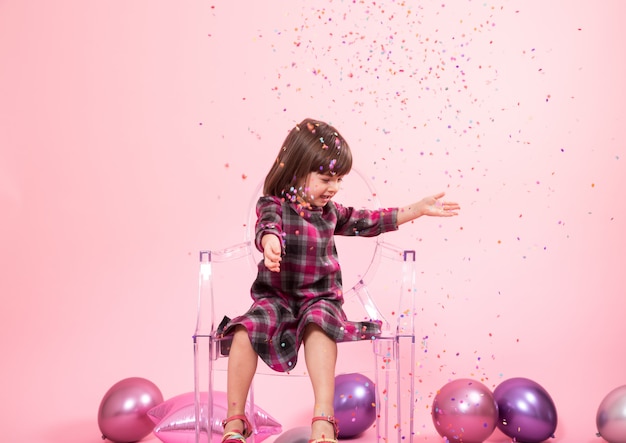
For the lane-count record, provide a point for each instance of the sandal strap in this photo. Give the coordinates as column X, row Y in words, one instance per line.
column 333, row 421
column 230, row 437
column 247, row 427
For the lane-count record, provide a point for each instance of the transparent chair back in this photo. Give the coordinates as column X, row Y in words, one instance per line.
column 375, row 272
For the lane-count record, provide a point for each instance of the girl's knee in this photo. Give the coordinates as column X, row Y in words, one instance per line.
column 239, row 330
column 241, row 337
column 313, row 328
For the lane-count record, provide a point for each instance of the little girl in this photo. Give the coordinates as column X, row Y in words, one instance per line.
column 297, row 295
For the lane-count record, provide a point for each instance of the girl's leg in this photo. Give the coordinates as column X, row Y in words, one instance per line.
column 320, row 353
column 242, row 362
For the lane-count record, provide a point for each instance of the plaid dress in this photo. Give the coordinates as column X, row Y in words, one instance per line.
column 308, row 288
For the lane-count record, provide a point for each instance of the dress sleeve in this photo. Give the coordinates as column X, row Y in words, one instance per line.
column 365, row 222
column 269, row 211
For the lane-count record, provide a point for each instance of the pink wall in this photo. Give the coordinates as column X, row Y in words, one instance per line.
column 133, row 133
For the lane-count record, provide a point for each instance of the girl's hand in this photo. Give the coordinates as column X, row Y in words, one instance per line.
column 271, row 252
column 434, row 206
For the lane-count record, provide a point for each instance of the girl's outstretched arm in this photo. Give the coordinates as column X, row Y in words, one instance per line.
column 431, row 205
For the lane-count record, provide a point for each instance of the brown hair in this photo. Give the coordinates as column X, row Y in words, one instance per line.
column 312, row 146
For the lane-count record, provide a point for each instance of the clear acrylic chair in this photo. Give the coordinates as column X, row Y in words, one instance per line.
column 387, row 271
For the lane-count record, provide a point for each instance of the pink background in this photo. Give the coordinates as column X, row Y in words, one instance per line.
column 132, row 134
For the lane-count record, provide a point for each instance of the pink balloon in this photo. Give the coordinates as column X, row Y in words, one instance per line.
column 465, row 410
column 122, row 414
column 175, row 419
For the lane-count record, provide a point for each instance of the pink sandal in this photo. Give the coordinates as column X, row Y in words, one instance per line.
column 237, row 436
column 330, row 419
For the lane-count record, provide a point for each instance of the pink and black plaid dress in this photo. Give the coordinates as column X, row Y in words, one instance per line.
column 308, row 288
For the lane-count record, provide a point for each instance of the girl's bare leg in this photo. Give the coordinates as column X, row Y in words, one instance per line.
column 320, row 352
column 242, row 362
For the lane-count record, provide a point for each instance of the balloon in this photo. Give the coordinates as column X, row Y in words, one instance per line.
column 295, row 435
column 464, row 410
column 611, row 416
column 355, row 404
column 176, row 423
column 526, row 410
column 122, row 415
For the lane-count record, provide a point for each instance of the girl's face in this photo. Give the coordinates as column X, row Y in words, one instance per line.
column 321, row 188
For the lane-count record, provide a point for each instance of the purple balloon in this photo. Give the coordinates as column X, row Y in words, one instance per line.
column 464, row 410
column 122, row 416
column 526, row 410
column 355, row 404
column 611, row 416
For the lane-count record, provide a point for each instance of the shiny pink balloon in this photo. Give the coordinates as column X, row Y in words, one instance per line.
column 122, row 415
column 175, row 419
column 465, row 410
column 611, row 416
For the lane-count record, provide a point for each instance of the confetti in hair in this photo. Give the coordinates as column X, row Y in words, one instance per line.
column 310, row 127
column 324, row 146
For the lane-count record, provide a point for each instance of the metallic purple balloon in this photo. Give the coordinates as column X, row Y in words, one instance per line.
column 355, row 404
column 122, row 415
column 611, row 416
column 526, row 410
column 464, row 410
